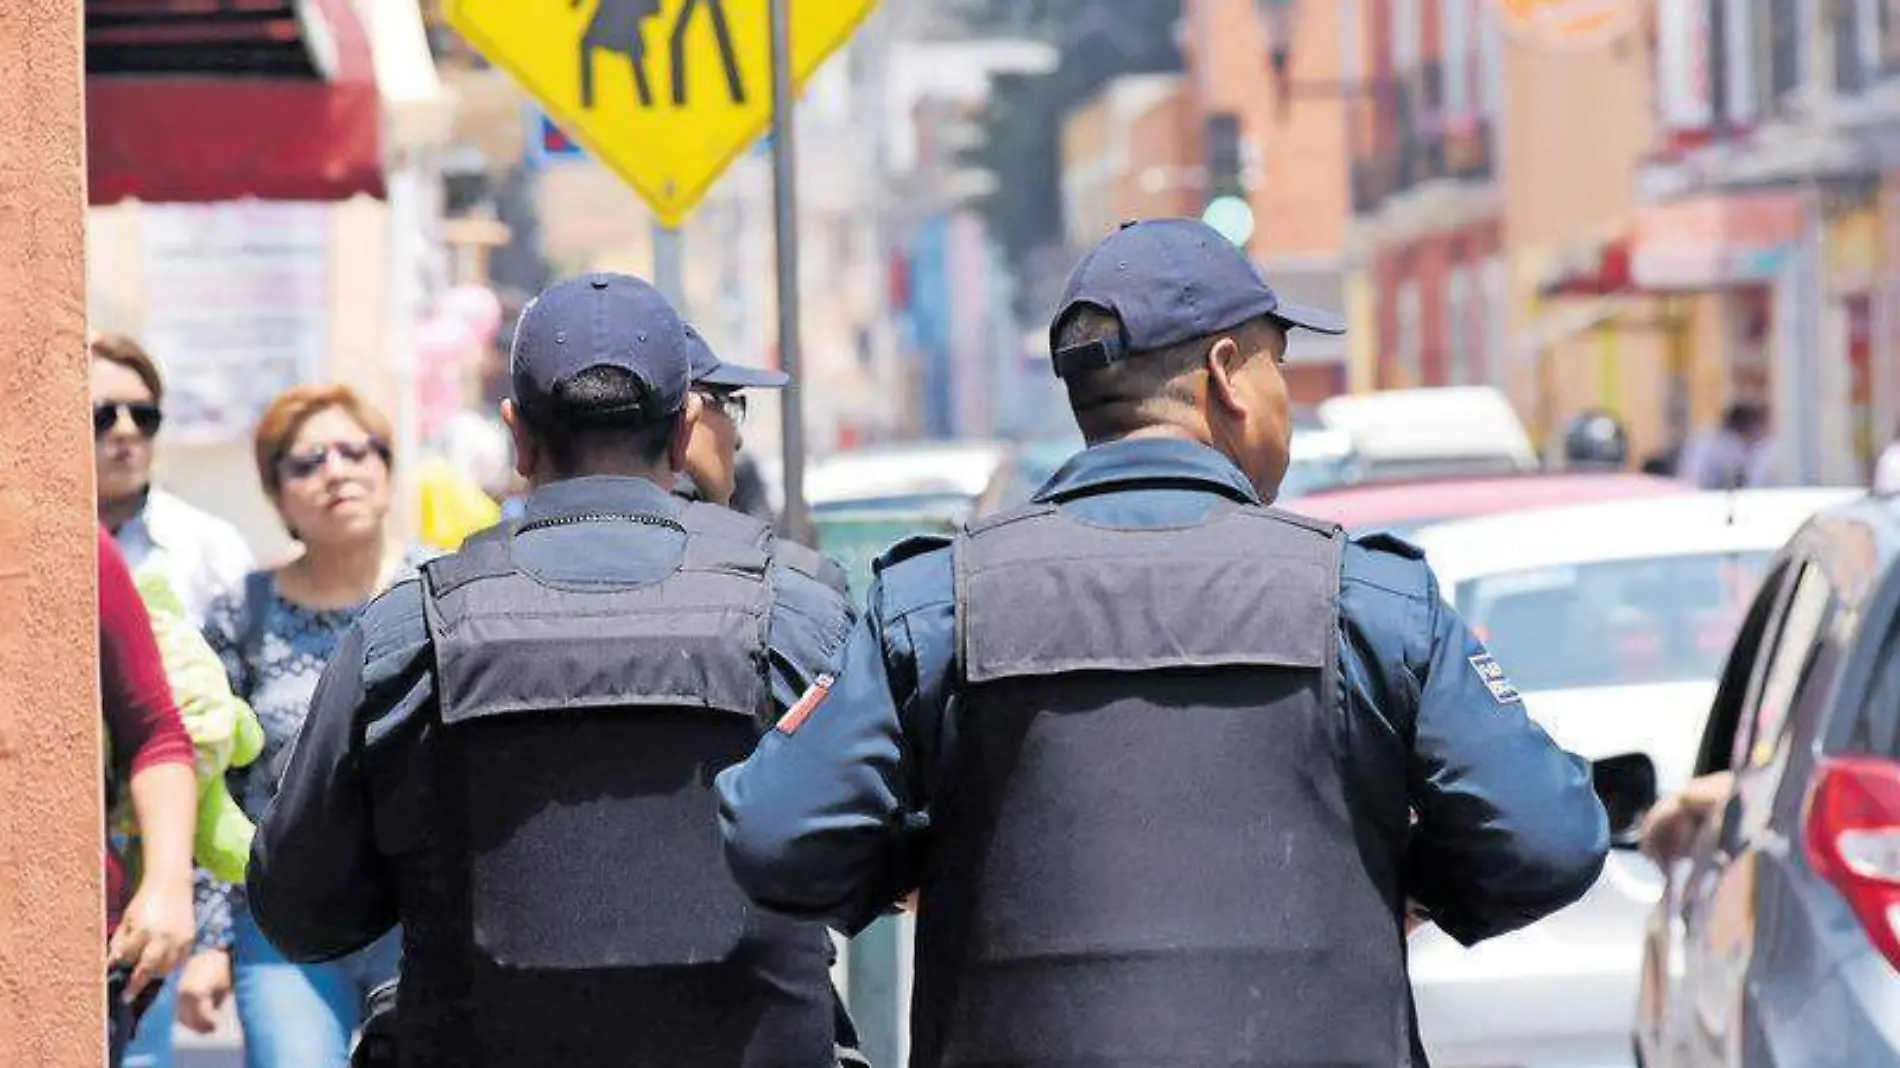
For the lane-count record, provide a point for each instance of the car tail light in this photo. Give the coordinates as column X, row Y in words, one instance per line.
column 1853, row 841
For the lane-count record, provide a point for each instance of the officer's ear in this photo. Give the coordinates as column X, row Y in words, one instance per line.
column 1223, row 363
column 526, row 453
column 690, row 416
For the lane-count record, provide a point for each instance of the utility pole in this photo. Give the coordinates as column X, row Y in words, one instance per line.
column 792, row 523
column 669, row 266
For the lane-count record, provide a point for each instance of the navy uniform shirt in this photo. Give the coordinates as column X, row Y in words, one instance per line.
column 324, row 867
column 828, row 818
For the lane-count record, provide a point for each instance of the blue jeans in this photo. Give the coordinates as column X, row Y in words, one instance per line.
column 152, row 1046
column 303, row 1015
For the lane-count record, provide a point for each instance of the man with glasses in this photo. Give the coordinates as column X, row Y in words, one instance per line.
column 712, row 453
column 199, row 553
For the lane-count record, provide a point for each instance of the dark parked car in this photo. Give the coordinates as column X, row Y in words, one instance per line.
column 1777, row 940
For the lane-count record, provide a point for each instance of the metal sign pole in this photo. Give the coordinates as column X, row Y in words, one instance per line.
column 669, row 266
column 792, row 523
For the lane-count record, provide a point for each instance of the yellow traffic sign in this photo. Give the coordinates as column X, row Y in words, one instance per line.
column 667, row 93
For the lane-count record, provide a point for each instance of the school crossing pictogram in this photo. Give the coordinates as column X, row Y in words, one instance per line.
column 619, row 27
column 666, row 93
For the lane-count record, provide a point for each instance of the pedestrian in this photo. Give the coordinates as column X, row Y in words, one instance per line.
column 1736, row 455
column 149, row 922
column 1152, row 751
column 323, row 457
column 200, row 555
column 512, row 757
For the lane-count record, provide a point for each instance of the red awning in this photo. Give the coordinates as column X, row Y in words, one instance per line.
column 1606, row 272
column 208, row 140
column 206, row 100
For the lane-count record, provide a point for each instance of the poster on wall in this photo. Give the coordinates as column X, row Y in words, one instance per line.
column 237, row 299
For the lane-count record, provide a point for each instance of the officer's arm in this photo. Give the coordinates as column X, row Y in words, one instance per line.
column 1509, row 827
column 819, row 820
column 316, row 886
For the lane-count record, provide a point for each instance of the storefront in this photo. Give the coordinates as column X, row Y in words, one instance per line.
column 259, row 232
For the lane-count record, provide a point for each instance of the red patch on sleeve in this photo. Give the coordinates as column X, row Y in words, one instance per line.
column 796, row 715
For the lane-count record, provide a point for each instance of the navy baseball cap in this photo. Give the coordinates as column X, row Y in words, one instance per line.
column 709, row 370
column 1169, row 281
column 603, row 320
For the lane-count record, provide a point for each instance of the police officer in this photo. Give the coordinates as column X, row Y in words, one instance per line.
column 513, row 757
column 712, row 475
column 1595, row 441
column 1164, row 762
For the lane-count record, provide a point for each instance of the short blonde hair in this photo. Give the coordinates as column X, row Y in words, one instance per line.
column 294, row 407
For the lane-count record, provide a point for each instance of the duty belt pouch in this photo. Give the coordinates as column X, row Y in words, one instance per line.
column 588, row 724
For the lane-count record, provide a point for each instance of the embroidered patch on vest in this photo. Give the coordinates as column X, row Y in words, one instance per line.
column 1493, row 678
column 796, row 715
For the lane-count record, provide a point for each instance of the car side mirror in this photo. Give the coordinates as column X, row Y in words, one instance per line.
column 1626, row 784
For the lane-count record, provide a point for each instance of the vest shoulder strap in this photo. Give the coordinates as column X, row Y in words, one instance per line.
column 814, row 565
column 699, row 517
column 486, row 554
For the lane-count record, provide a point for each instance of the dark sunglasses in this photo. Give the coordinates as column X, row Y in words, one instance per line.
column 145, row 416
column 299, row 466
column 733, row 405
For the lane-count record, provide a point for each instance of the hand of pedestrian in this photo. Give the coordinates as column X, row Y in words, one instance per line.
column 1672, row 824
column 203, row 989
column 155, row 933
column 1666, row 830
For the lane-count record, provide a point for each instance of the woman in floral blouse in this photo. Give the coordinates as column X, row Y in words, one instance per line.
column 323, row 455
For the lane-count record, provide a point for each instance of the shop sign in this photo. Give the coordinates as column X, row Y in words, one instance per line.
column 1714, row 241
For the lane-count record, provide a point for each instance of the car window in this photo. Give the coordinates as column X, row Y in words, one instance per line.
column 1786, row 666
column 1877, row 723
column 1613, row 622
column 1725, row 714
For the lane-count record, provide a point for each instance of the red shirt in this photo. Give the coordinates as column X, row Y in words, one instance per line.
column 140, row 714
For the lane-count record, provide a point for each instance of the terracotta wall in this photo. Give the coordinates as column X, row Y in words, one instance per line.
column 1302, row 204
column 52, row 931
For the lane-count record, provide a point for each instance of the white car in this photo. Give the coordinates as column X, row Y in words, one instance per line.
column 1613, row 621
column 921, row 476
column 1424, row 433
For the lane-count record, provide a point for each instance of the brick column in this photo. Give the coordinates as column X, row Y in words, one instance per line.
column 52, row 939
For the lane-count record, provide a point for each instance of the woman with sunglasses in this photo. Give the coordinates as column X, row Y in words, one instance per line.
column 323, row 456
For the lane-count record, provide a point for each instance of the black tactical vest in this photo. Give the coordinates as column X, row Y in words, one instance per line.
column 590, row 916
column 1143, row 854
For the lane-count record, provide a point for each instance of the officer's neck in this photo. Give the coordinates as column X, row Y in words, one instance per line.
column 1166, row 432
column 661, row 475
